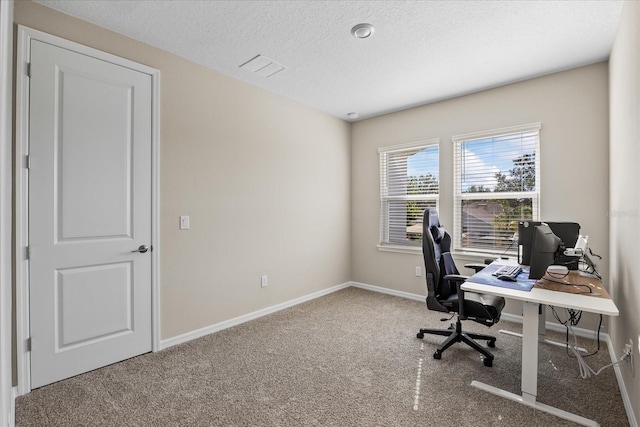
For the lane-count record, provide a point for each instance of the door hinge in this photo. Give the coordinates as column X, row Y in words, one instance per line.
column 28, row 343
column 28, row 254
column 28, row 162
column 28, row 69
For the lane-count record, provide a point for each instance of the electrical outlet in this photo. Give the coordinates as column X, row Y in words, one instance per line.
column 418, row 271
column 628, row 349
column 264, row 281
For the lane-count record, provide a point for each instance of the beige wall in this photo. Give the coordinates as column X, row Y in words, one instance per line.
column 573, row 109
column 264, row 179
column 624, row 68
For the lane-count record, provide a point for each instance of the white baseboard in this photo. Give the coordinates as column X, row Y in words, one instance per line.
column 511, row 317
column 170, row 342
column 633, row 422
column 388, row 291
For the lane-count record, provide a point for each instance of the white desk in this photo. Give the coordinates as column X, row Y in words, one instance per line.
column 531, row 302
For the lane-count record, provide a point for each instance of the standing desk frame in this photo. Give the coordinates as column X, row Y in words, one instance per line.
column 532, row 322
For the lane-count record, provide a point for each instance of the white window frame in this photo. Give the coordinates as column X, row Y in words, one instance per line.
column 384, row 244
column 457, row 141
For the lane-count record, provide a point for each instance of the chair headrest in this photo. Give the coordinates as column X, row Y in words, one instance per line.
column 431, row 215
column 432, row 221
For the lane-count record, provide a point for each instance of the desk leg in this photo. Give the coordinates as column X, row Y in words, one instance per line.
column 527, row 400
column 529, row 385
column 542, row 323
column 530, row 329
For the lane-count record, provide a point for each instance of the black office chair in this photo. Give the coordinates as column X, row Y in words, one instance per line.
column 444, row 293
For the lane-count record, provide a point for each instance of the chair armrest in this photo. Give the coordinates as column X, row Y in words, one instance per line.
column 457, row 278
column 476, row 267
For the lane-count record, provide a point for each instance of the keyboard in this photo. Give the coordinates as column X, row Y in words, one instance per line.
column 508, row 272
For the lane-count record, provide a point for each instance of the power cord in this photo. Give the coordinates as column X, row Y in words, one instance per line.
column 585, row 370
column 508, row 247
column 559, row 278
column 590, row 267
column 584, row 263
column 572, row 348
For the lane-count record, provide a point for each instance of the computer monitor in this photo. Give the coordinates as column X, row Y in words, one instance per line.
column 544, row 250
column 568, row 232
column 525, row 238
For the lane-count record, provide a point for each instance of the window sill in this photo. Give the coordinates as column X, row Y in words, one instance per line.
column 466, row 255
column 413, row 250
column 481, row 256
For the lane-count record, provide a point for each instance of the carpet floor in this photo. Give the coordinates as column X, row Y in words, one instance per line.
column 350, row 358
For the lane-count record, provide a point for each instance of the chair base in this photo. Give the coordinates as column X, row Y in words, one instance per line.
column 455, row 335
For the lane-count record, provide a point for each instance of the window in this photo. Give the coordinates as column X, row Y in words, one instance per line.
column 496, row 185
column 408, row 185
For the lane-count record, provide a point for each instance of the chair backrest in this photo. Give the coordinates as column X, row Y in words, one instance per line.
column 436, row 247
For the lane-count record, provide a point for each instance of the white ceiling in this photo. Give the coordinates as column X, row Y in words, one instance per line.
column 421, row 51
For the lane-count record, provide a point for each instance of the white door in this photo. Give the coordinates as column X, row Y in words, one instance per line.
column 89, row 208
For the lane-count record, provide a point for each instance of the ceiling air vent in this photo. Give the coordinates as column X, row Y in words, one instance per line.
column 262, row 66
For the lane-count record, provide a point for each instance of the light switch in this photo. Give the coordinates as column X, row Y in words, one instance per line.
column 184, row 222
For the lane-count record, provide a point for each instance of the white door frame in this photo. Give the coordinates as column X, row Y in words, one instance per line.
column 25, row 35
column 6, row 58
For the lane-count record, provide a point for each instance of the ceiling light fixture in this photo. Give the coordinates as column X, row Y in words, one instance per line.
column 362, row 31
column 353, row 116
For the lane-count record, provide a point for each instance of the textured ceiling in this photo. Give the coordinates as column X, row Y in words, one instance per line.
column 421, row 51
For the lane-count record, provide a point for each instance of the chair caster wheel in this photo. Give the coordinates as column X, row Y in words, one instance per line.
column 491, row 343
column 488, row 362
column 437, row 355
column 420, row 335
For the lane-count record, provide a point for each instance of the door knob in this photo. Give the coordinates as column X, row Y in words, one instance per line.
column 142, row 249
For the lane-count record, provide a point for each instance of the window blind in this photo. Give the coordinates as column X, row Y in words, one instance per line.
column 496, row 185
column 409, row 183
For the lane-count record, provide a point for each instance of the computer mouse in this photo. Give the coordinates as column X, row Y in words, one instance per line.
column 506, row 277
